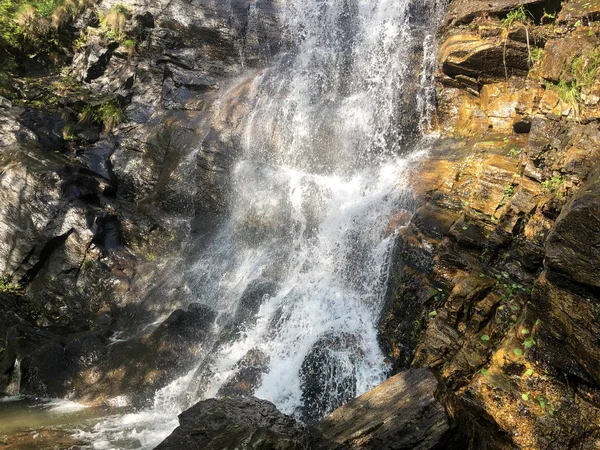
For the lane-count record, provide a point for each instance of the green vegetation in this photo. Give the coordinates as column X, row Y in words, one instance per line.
column 569, row 93
column 518, row 15
column 585, row 67
column 551, row 17
column 8, row 287
column 537, row 53
column 509, row 191
column 582, row 73
column 34, row 25
column 553, row 184
column 114, row 23
column 109, row 114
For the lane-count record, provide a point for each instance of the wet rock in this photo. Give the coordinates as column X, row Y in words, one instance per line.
column 567, row 255
column 327, row 376
column 234, row 423
column 185, row 89
column 248, row 375
column 401, row 413
column 559, row 54
column 49, row 439
column 251, row 300
column 176, row 337
column 49, row 362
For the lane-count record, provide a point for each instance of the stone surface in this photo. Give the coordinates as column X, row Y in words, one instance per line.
column 401, row 413
column 234, row 423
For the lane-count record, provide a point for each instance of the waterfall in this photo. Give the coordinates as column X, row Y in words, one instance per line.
column 14, row 387
column 298, row 271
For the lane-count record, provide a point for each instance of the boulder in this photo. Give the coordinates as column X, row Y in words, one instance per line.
column 327, row 376
column 234, row 423
column 401, row 413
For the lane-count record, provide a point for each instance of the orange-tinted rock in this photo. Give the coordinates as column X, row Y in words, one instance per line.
column 460, row 11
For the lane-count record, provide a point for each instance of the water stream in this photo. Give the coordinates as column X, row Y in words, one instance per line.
column 298, row 271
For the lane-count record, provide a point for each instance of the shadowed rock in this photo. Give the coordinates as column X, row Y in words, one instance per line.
column 401, row 413
column 234, row 423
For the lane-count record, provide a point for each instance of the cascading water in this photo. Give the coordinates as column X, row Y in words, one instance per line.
column 298, row 271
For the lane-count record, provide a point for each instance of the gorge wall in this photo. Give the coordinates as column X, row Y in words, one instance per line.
column 494, row 282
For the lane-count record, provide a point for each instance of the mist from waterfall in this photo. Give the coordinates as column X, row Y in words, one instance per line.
column 298, row 271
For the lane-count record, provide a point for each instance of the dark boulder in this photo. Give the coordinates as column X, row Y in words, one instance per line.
column 234, row 423
column 327, row 376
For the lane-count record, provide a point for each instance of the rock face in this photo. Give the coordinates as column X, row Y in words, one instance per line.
column 234, row 423
column 111, row 155
column 494, row 283
column 401, row 413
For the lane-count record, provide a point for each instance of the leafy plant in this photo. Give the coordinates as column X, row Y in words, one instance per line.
column 553, row 184
column 550, row 16
column 509, row 191
column 485, row 338
column 518, row 15
column 529, row 342
column 517, row 351
column 8, row 287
